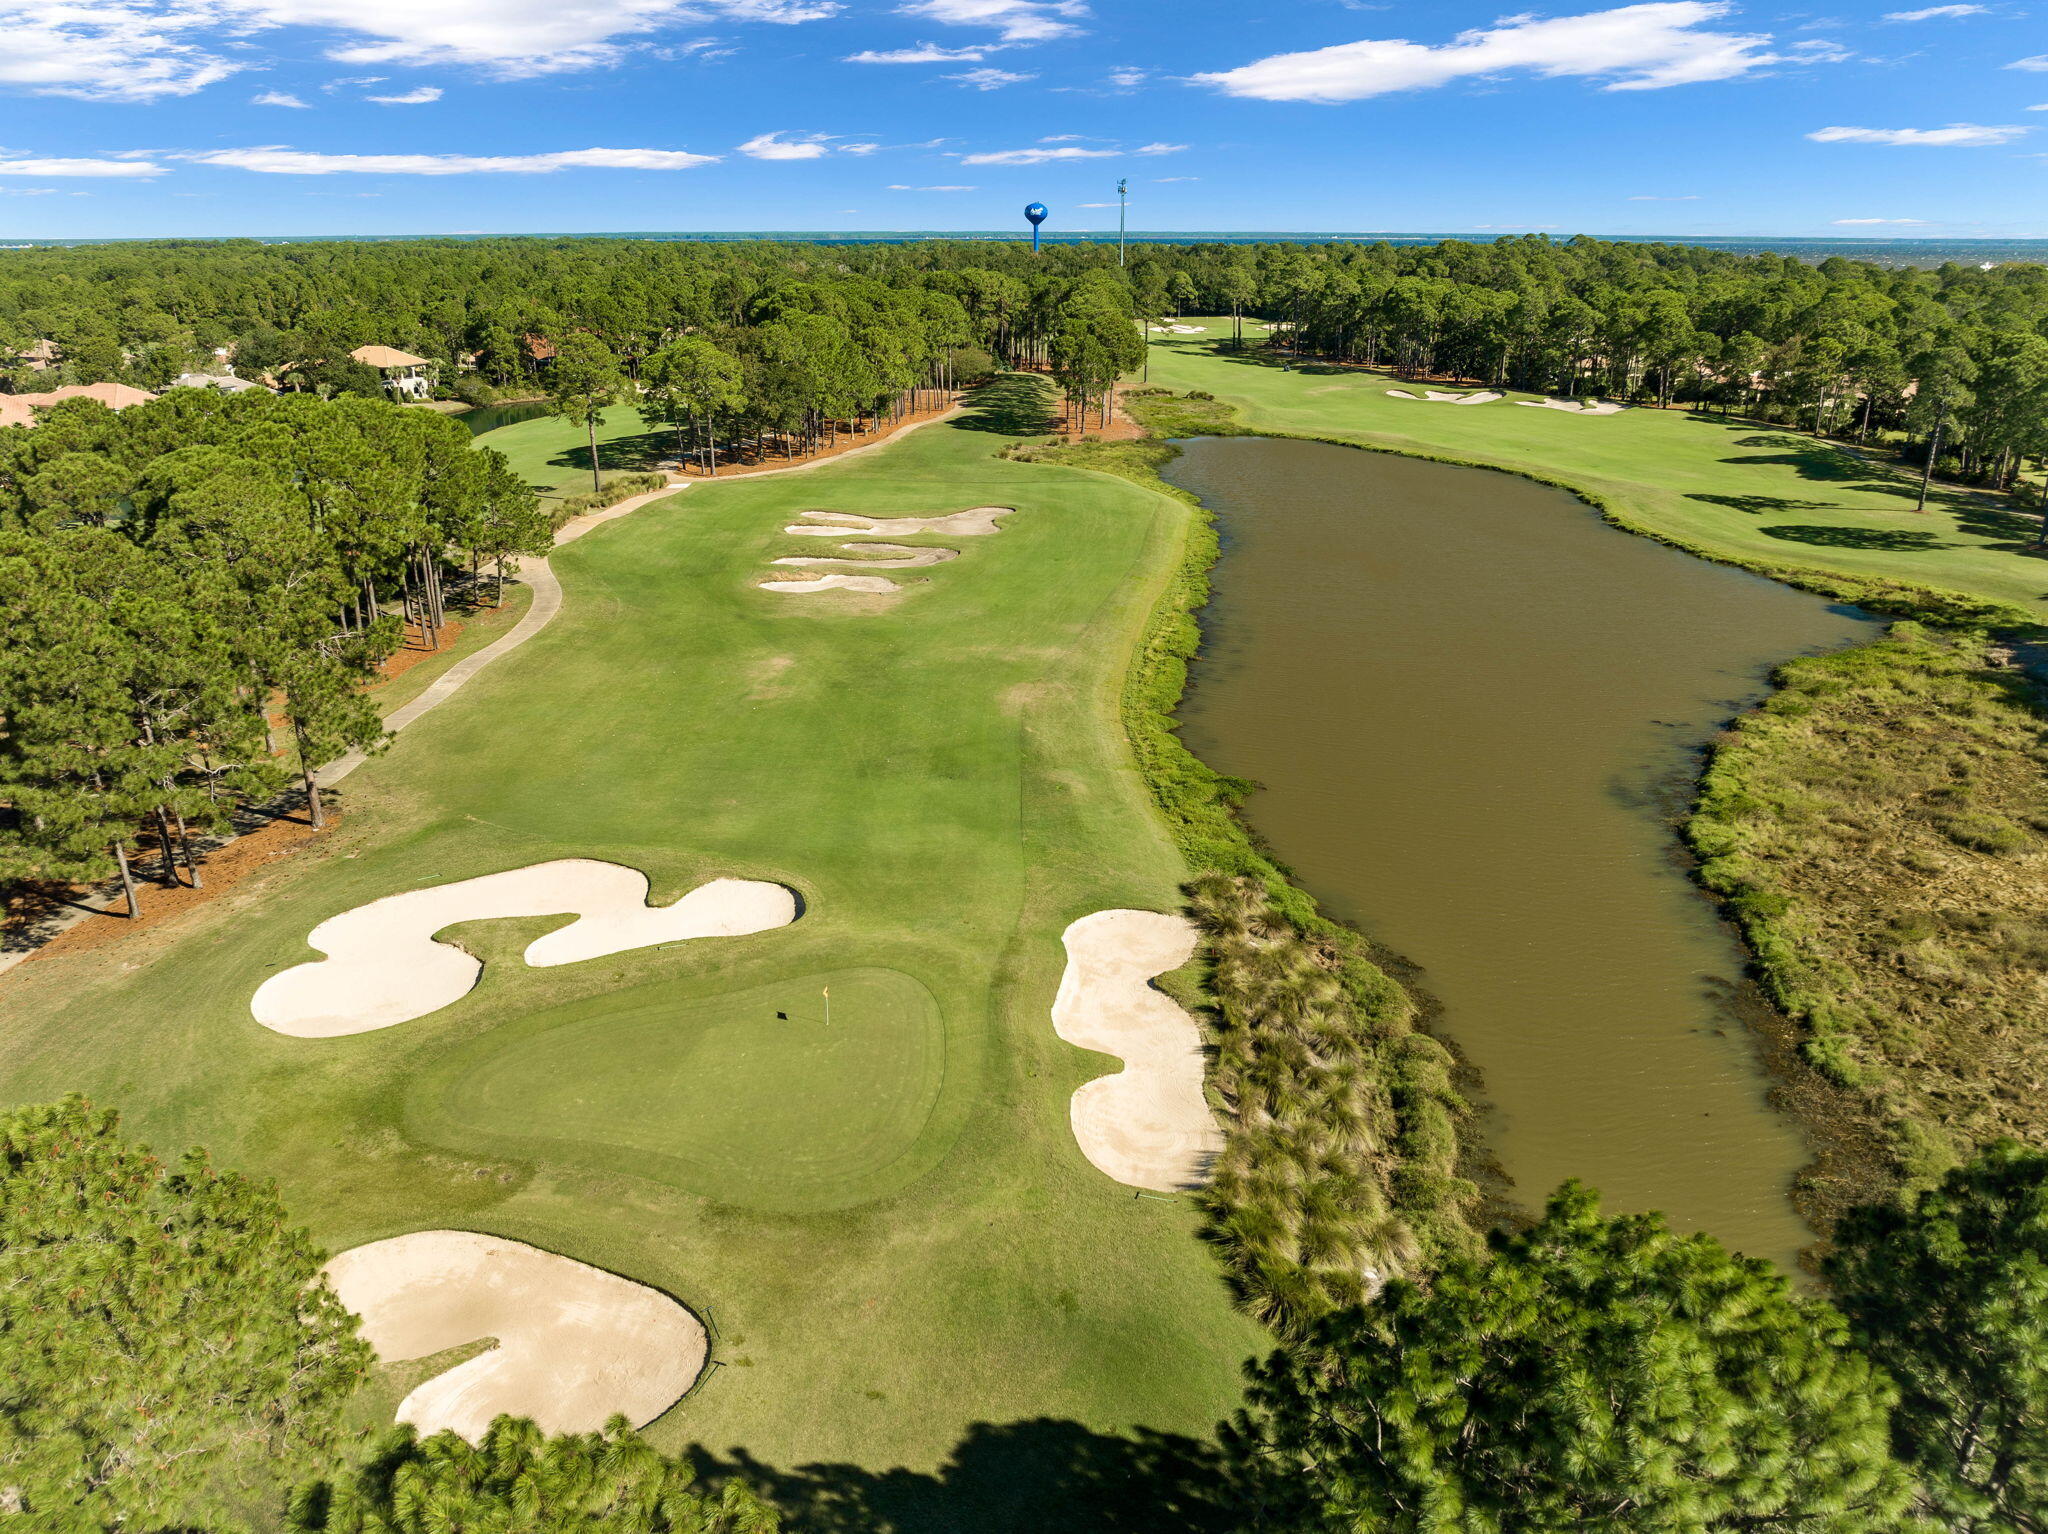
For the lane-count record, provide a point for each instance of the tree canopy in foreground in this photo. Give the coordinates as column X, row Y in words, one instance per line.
column 160, row 1325
column 1595, row 1375
column 519, row 1480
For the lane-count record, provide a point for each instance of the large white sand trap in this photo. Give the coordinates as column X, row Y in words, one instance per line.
column 575, row 1344
column 1148, row 1125
column 1181, row 330
column 1575, row 407
column 1444, row 397
column 873, row 584
column 383, row 966
column 909, row 557
column 976, row 523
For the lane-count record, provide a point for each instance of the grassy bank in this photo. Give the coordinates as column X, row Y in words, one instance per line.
column 1880, row 829
column 1343, row 1125
column 1808, row 512
column 924, row 1296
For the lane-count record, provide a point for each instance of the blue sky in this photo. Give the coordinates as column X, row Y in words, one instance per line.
column 140, row 117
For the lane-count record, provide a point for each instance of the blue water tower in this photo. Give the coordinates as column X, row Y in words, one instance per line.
column 1036, row 213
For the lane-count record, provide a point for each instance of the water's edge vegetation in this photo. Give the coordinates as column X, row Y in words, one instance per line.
column 1869, row 1131
column 1347, row 1138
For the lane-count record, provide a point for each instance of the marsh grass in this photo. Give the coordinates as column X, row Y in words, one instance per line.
column 1342, row 1121
column 1880, row 829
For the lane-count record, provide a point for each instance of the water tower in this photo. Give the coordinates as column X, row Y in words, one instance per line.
column 1036, row 213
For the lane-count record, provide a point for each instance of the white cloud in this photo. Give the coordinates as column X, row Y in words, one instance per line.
column 276, row 99
column 107, row 50
column 1038, row 156
column 1127, row 79
column 277, row 160
column 990, row 79
column 2036, row 63
column 1041, row 154
column 1954, row 136
column 1636, row 47
column 1931, row 13
column 773, row 146
column 140, row 50
column 123, row 169
column 858, row 148
column 923, row 53
column 412, row 98
column 1016, row 21
column 1848, row 221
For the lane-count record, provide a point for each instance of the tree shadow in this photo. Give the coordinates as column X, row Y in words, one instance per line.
column 1804, row 456
column 1894, row 541
column 1757, row 505
column 2002, row 527
column 638, row 453
column 1011, row 405
column 1014, row 1478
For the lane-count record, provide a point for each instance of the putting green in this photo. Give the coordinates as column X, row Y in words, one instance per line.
column 1766, row 496
column 750, row 1098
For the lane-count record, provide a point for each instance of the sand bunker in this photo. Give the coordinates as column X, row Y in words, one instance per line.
column 574, row 1344
column 910, row 557
column 383, row 966
column 1181, row 330
column 1575, row 407
column 875, row 585
column 1442, row 397
column 976, row 523
column 1148, row 1125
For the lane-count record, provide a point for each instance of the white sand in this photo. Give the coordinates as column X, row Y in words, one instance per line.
column 1575, row 407
column 1444, row 397
column 574, row 1344
column 977, row 523
column 875, row 585
column 1181, row 330
column 1148, row 1125
column 910, row 558
column 383, row 966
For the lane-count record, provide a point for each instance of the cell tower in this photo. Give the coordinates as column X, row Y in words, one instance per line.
column 1123, row 202
column 1036, row 213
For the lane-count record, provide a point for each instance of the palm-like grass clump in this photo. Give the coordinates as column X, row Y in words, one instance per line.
column 1339, row 1169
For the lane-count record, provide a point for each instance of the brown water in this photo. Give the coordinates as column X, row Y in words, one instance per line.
column 1475, row 708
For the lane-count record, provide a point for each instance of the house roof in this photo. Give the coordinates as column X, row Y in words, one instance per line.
column 19, row 409
column 227, row 381
column 387, row 357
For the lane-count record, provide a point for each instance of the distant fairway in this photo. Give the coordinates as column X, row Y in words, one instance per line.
column 553, row 454
column 1763, row 495
column 888, row 1221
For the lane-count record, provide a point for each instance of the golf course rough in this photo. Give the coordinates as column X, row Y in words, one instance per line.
column 1148, row 1125
column 887, row 1214
column 574, row 1345
column 384, row 966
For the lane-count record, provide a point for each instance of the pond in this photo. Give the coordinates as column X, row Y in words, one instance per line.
column 1475, row 710
column 490, row 417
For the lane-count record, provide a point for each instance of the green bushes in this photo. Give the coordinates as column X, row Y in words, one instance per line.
column 618, row 486
column 1877, row 829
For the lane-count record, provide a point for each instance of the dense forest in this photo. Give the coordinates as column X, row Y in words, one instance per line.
column 1956, row 357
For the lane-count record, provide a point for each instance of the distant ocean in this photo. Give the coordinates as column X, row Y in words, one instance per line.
column 1882, row 251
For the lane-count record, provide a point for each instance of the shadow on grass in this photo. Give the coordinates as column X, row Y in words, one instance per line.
column 1011, row 405
column 1016, row 1478
column 1757, row 505
column 1894, row 541
column 636, row 454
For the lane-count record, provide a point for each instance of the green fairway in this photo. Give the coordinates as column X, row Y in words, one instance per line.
column 887, row 1219
column 553, row 454
column 1764, row 496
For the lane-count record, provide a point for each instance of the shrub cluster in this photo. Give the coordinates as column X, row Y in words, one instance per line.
column 618, row 486
column 1340, row 1163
